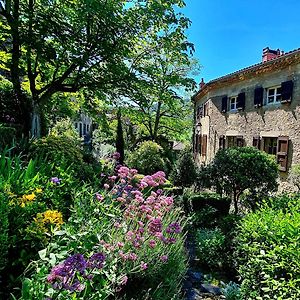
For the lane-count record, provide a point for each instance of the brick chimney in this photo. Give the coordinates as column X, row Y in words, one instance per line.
column 201, row 84
column 269, row 54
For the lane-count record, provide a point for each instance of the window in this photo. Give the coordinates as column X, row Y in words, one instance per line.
column 256, row 142
column 205, row 109
column 222, row 142
column 235, row 141
column 279, row 147
column 203, row 145
column 76, row 125
column 274, row 95
column 224, row 104
column 270, row 145
column 199, row 111
column 87, row 127
column 233, row 103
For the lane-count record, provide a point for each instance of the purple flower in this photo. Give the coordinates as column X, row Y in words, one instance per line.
column 63, row 275
column 99, row 197
column 96, row 261
column 174, row 228
column 155, row 226
column 116, row 156
column 164, row 258
column 55, row 180
column 76, row 262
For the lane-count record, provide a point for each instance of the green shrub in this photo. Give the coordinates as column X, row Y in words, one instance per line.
column 210, row 247
column 214, row 200
column 56, row 149
column 4, row 228
column 7, row 136
column 232, row 291
column 147, row 158
column 294, row 176
column 268, row 253
column 184, row 173
column 242, row 169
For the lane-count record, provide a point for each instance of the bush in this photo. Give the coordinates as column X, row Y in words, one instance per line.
column 7, row 136
column 184, row 173
column 56, row 149
column 214, row 200
column 294, row 176
column 4, row 227
column 147, row 158
column 210, row 247
column 268, row 253
column 239, row 169
column 232, row 291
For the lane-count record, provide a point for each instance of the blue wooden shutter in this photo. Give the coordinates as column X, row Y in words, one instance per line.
column 224, row 104
column 258, row 96
column 241, row 99
column 287, row 91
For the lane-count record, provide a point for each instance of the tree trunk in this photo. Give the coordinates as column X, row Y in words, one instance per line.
column 157, row 119
column 235, row 202
column 120, row 138
column 36, row 129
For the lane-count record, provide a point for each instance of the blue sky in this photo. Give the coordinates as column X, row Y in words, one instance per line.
column 230, row 34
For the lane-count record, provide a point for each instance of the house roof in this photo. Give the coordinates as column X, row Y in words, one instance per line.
column 280, row 62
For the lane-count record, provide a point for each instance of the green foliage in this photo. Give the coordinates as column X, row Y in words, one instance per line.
column 4, row 235
column 7, row 136
column 294, row 175
column 210, row 247
column 235, row 170
column 147, row 158
column 268, row 253
column 184, row 173
column 103, row 225
column 232, row 291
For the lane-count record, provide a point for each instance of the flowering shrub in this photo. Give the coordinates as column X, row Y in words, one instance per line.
column 127, row 235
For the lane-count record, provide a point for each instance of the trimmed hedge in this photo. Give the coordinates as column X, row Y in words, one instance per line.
column 268, row 252
column 7, row 136
column 214, row 200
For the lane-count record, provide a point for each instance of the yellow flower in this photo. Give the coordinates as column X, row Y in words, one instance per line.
column 49, row 217
column 28, row 197
column 38, row 190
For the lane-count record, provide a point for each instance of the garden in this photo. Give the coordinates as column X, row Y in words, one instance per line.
column 95, row 200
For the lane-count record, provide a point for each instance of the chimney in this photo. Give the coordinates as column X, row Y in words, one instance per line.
column 201, row 85
column 269, row 54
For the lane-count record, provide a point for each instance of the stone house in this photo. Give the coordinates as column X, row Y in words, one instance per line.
column 257, row 106
column 84, row 126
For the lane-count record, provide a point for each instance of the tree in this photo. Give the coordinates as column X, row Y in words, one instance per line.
column 235, row 170
column 185, row 172
column 120, row 138
column 73, row 45
column 164, row 74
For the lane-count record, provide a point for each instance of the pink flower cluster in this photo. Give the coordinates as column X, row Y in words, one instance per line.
column 144, row 208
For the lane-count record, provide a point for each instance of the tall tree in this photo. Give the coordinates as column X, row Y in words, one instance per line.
column 70, row 45
column 159, row 98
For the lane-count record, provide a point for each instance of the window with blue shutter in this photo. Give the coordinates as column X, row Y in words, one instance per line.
column 287, row 91
column 224, row 104
column 241, row 99
column 258, row 96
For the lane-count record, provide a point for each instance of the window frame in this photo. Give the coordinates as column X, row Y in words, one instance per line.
column 236, row 102
column 277, row 96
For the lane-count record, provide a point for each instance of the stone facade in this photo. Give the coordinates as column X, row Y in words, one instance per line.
column 228, row 111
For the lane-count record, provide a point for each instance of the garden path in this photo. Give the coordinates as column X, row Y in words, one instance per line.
column 194, row 287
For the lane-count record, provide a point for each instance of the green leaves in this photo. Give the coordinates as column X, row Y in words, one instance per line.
column 268, row 252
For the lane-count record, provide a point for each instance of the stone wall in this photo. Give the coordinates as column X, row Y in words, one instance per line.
column 272, row 120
